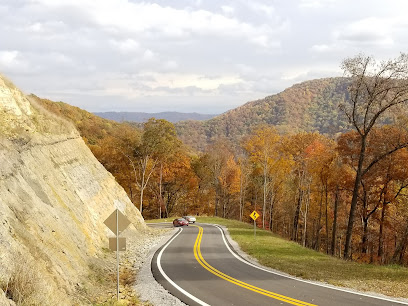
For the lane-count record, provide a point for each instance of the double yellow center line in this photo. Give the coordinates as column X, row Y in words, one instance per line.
column 208, row 267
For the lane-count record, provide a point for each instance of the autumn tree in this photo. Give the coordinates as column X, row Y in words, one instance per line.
column 320, row 157
column 262, row 147
column 295, row 147
column 159, row 140
column 385, row 181
column 244, row 177
column 160, row 143
column 211, row 168
column 179, row 185
column 229, row 180
column 376, row 89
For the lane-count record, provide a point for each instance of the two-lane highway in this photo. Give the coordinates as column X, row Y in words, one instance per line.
column 198, row 266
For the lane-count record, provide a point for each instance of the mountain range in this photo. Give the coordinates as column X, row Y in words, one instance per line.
column 143, row 117
column 308, row 106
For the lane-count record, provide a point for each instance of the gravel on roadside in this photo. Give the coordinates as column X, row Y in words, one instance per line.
column 146, row 286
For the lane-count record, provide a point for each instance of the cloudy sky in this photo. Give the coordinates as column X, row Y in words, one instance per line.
column 186, row 55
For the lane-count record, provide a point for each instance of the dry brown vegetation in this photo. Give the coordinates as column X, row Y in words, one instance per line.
column 27, row 286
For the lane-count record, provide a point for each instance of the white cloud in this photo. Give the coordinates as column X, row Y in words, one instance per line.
column 36, row 27
column 367, row 31
column 169, row 84
column 144, row 18
column 13, row 60
column 228, row 10
column 8, row 58
column 265, row 9
column 320, row 48
column 173, row 80
column 170, row 65
column 126, row 46
column 148, row 55
column 129, row 50
column 315, row 4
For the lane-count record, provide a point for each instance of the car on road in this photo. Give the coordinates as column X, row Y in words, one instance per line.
column 190, row 219
column 180, row 222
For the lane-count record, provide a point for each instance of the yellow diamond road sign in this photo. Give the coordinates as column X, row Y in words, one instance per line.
column 254, row 215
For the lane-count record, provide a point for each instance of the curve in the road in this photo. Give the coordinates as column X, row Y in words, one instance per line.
column 197, row 300
column 299, row 279
column 208, row 267
column 211, row 285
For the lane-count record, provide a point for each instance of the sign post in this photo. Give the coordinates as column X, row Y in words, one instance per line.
column 117, row 223
column 254, row 215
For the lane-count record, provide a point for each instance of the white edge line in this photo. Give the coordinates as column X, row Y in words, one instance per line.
column 301, row 280
column 168, row 278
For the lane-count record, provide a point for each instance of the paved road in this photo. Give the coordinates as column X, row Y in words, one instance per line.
column 199, row 267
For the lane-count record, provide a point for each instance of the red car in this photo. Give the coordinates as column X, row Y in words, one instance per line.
column 180, row 222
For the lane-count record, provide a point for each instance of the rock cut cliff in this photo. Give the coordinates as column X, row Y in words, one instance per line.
column 54, row 197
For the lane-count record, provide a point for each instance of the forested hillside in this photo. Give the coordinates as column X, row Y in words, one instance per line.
column 288, row 166
column 308, row 106
column 94, row 129
column 143, row 117
column 147, row 160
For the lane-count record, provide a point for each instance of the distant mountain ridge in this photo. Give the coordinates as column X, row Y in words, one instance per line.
column 143, row 117
column 308, row 106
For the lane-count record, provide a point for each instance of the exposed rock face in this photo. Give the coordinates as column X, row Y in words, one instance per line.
column 54, row 197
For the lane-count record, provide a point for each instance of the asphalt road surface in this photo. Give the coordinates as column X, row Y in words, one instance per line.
column 198, row 266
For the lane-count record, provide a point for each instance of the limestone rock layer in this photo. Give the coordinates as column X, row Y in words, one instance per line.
column 54, row 197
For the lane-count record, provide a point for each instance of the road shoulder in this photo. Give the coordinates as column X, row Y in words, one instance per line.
column 148, row 288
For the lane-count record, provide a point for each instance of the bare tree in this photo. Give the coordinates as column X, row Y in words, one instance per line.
column 376, row 88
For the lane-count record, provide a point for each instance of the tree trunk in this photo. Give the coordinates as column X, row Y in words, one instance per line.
column 334, row 231
column 296, row 218
column 327, row 220
column 265, row 193
column 381, row 235
column 365, row 234
column 400, row 249
column 307, row 202
column 241, row 199
column 216, row 206
column 141, row 200
column 160, row 190
column 319, row 226
column 271, row 211
column 353, row 206
column 217, row 199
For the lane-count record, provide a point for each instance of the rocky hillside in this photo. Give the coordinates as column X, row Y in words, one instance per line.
column 308, row 106
column 54, row 197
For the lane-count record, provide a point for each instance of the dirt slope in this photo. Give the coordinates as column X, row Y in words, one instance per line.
column 54, row 197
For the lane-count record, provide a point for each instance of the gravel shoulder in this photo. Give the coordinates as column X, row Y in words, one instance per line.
column 146, row 286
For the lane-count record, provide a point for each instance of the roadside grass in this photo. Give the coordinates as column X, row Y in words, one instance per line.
column 161, row 220
column 289, row 257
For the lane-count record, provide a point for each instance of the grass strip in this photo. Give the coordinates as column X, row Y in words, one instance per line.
column 272, row 251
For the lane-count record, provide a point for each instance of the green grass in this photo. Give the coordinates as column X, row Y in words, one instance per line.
column 277, row 253
column 161, row 220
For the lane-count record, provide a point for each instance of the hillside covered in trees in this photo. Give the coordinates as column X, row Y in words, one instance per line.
column 306, row 107
column 345, row 195
column 143, row 117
